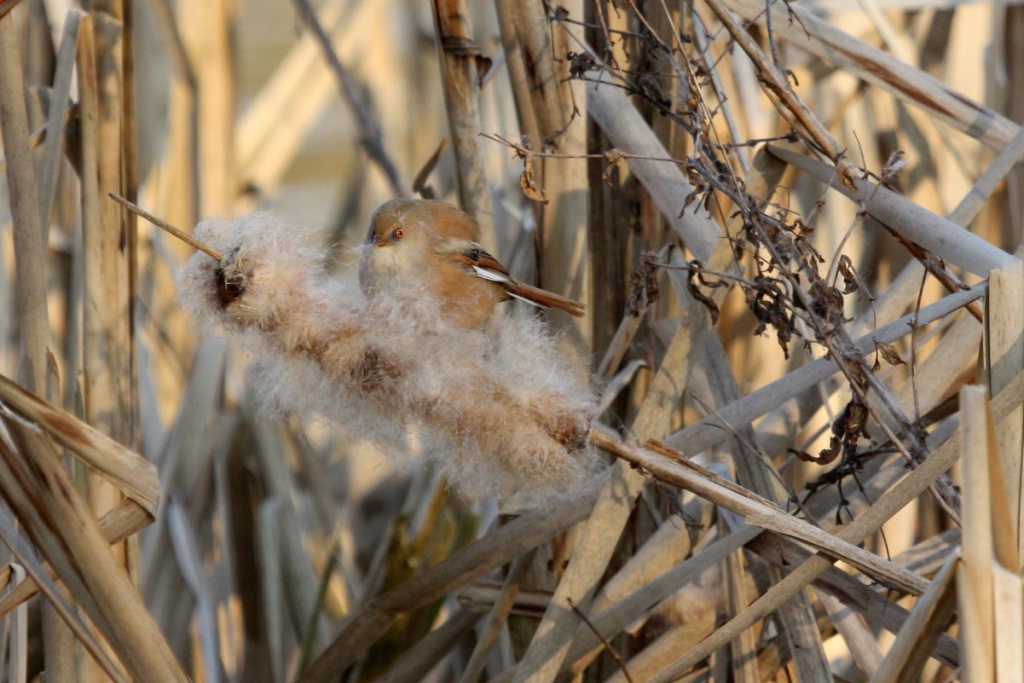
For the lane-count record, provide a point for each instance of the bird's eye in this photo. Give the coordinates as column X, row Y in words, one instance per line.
column 398, row 234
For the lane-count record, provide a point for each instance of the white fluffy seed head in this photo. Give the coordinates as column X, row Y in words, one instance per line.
column 500, row 409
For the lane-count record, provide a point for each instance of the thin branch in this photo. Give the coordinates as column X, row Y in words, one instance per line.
column 164, row 225
column 604, row 641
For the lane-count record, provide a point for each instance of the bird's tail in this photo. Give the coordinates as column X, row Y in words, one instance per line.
column 545, row 299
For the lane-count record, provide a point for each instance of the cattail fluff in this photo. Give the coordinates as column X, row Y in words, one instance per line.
column 500, row 409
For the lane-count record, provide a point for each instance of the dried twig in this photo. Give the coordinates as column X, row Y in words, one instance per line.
column 164, row 225
column 619, row 661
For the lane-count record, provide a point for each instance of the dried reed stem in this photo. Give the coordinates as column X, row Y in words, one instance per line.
column 778, row 88
column 564, row 258
column 908, row 655
column 892, row 501
column 914, row 86
column 23, row 193
column 33, row 479
column 597, row 542
column 460, row 67
column 712, row 430
column 493, row 550
column 125, row 520
column 675, row 469
column 55, row 120
column 939, row 235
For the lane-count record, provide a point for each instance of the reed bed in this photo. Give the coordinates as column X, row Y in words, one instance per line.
column 796, row 227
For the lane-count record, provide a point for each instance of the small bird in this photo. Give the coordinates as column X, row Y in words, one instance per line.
column 418, row 245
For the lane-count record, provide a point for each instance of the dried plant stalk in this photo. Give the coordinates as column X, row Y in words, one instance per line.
column 975, row 578
column 758, row 511
column 1005, row 359
column 55, row 120
column 125, row 470
column 23, row 193
column 498, row 616
column 34, row 480
column 875, row 66
column 461, row 61
column 207, row 38
column 121, row 522
column 551, row 644
column 370, row 137
column 431, row 649
column 907, row 656
column 493, row 550
column 622, row 123
column 107, row 336
column 704, row 434
column 285, row 110
column 668, row 105
column 892, row 501
column 122, row 467
column 938, row 235
column 552, row 115
column 778, row 88
column 546, row 100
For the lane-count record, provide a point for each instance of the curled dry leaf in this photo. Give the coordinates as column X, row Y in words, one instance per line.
column 643, row 285
column 613, row 157
column 897, row 162
column 889, row 353
column 850, row 279
column 852, row 423
column 825, row 457
column 531, row 189
column 767, row 301
column 695, row 276
column 580, row 63
column 700, row 186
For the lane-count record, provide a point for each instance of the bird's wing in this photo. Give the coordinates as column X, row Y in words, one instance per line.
column 489, row 268
column 483, row 264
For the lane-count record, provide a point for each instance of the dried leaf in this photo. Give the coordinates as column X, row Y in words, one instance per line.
column 483, row 65
column 651, row 88
column 889, row 353
column 580, row 63
column 613, row 157
column 643, row 285
column 825, row 457
column 852, row 423
column 802, row 228
column 532, row 190
column 896, row 162
column 700, row 186
column 693, row 274
column 850, row 279
column 767, row 302
column 827, row 303
column 691, row 198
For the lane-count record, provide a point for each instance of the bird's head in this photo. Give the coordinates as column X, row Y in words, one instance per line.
column 404, row 235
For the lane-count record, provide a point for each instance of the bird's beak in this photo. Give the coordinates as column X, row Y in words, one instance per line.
column 377, row 241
